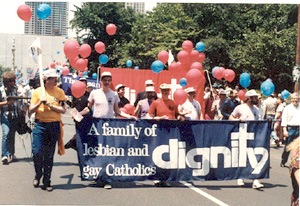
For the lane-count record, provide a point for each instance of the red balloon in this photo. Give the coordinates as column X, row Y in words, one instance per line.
column 180, row 96
column 201, row 57
column 187, row 46
column 63, row 65
column 241, row 94
column 124, row 110
column 65, row 71
column 111, row 29
column 229, row 75
column 24, row 12
column 71, row 49
column 81, row 64
column 194, row 77
column 78, row 88
column 80, row 74
column 57, row 63
column 85, row 50
column 100, row 47
column 86, row 69
column 194, row 55
column 52, row 65
column 73, row 61
column 197, row 65
column 174, row 67
column 183, row 57
column 130, row 108
column 163, row 56
column 219, row 73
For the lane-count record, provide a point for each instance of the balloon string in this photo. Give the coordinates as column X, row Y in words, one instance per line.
column 208, row 77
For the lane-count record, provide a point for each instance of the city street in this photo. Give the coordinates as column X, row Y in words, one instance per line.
column 16, row 185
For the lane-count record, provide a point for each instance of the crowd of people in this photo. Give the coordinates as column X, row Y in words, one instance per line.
column 221, row 103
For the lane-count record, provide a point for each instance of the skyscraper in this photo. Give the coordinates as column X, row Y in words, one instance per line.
column 137, row 6
column 55, row 25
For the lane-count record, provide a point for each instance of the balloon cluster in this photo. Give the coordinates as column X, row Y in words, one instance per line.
column 221, row 72
column 24, row 12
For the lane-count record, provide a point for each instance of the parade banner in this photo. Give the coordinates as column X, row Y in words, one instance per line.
column 129, row 150
column 68, row 80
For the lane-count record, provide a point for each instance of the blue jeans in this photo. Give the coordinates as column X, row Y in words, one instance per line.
column 45, row 136
column 293, row 134
column 8, row 136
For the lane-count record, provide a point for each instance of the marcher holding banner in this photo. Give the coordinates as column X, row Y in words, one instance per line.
column 247, row 111
column 164, row 108
column 48, row 127
column 105, row 104
column 191, row 109
column 142, row 95
column 144, row 104
column 290, row 124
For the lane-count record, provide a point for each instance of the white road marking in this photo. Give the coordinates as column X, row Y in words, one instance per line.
column 208, row 196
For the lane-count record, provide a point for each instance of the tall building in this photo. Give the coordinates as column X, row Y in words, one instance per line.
column 55, row 25
column 137, row 6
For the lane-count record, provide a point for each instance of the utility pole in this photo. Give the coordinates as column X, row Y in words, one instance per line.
column 297, row 67
column 13, row 49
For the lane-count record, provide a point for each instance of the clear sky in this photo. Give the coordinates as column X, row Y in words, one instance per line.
column 11, row 23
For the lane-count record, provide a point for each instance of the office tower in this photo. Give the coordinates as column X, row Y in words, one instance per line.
column 137, row 6
column 55, row 25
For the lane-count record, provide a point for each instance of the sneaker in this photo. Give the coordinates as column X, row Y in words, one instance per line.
column 256, row 184
column 107, row 186
column 11, row 158
column 36, row 182
column 240, row 182
column 48, row 188
column 5, row 160
column 159, row 183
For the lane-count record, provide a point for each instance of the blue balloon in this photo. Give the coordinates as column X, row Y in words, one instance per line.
column 58, row 52
column 85, row 73
column 94, row 76
column 129, row 63
column 103, row 59
column 157, row 66
column 136, row 67
column 245, row 82
column 200, row 46
column 285, row 94
column 267, row 88
column 213, row 71
column 183, row 82
column 43, row 11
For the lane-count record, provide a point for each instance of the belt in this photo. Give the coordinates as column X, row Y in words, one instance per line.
column 293, row 127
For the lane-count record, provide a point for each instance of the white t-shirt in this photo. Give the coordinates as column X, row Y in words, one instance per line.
column 291, row 116
column 192, row 108
column 243, row 111
column 103, row 103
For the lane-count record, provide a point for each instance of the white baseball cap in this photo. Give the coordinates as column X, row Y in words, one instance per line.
column 119, row 86
column 222, row 91
column 190, row 89
column 50, row 73
column 251, row 93
column 89, row 84
column 149, row 81
column 165, row 86
column 150, row 89
column 105, row 74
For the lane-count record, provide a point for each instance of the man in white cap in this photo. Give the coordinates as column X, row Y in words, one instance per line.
column 120, row 88
column 104, row 102
column 142, row 95
column 48, row 128
column 247, row 111
column 217, row 105
column 144, row 104
column 190, row 109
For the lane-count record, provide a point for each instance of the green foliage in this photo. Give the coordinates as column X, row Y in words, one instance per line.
column 3, row 69
column 255, row 38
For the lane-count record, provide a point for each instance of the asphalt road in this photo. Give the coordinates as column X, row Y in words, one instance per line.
column 16, row 185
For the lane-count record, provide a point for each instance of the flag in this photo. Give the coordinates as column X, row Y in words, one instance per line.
column 171, row 58
column 34, row 49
